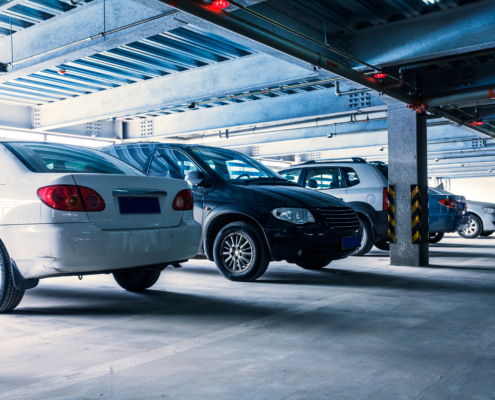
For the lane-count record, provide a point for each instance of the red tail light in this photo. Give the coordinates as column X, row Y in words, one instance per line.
column 71, row 198
column 448, row 203
column 385, row 199
column 183, row 201
column 92, row 200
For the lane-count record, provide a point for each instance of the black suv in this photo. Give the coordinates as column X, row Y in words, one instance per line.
column 250, row 215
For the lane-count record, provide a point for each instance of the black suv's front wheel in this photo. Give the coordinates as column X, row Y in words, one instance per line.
column 240, row 252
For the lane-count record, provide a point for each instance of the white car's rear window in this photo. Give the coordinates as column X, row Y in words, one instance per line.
column 60, row 158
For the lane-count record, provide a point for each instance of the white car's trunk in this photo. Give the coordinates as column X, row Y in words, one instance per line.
column 124, row 187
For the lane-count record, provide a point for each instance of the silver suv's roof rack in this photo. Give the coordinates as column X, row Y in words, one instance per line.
column 352, row 159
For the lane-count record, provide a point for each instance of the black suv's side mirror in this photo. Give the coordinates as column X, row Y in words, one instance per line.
column 196, row 178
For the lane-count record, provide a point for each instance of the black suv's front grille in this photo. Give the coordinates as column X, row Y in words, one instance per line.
column 341, row 217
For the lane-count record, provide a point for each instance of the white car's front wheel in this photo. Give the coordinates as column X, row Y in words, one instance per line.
column 474, row 229
column 10, row 297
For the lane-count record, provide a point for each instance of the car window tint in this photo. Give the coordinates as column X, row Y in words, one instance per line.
column 351, row 177
column 323, row 178
column 232, row 166
column 292, row 175
column 61, row 158
column 169, row 163
column 137, row 156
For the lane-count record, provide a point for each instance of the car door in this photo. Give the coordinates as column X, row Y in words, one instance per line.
column 173, row 163
column 327, row 180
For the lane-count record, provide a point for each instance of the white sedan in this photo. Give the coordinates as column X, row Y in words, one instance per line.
column 67, row 210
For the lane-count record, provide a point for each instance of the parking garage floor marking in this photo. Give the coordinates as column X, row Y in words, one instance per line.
column 62, row 332
column 473, row 261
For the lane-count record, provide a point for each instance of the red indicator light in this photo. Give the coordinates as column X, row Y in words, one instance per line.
column 61, row 71
column 221, row 4
column 380, row 75
column 477, row 123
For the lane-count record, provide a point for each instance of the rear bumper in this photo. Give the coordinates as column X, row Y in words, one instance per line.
column 379, row 224
column 308, row 244
column 444, row 223
column 46, row 250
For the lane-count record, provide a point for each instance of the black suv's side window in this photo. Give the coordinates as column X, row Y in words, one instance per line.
column 323, row 178
column 292, row 175
column 351, row 177
column 137, row 156
column 170, row 163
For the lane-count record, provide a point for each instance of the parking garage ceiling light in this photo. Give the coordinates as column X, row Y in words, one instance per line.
column 431, row 1
column 221, row 4
column 272, row 163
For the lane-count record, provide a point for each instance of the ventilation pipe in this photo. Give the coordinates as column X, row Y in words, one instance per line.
column 244, row 28
column 462, row 96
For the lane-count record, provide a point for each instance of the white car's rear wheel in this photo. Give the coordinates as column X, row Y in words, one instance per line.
column 10, row 297
column 137, row 281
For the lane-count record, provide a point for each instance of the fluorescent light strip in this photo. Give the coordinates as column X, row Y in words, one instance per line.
column 20, row 135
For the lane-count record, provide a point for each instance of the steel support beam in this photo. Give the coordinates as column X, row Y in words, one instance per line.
column 407, row 169
column 15, row 116
column 229, row 76
column 79, row 24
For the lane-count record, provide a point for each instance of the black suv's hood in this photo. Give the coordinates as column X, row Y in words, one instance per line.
column 297, row 196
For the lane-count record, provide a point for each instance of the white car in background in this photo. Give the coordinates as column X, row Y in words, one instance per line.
column 67, row 210
column 482, row 220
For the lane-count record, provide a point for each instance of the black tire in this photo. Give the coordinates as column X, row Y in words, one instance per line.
column 474, row 229
column 137, row 281
column 238, row 263
column 367, row 240
column 487, row 233
column 383, row 245
column 313, row 265
column 435, row 237
column 10, row 297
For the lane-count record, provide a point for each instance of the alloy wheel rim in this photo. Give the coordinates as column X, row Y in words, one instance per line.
column 237, row 253
column 471, row 229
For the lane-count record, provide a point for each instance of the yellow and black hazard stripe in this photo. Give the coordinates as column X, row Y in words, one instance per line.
column 391, row 214
column 416, row 214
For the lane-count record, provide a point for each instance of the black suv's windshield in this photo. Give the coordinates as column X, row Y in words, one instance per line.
column 235, row 167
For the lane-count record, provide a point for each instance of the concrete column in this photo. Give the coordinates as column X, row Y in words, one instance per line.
column 408, row 166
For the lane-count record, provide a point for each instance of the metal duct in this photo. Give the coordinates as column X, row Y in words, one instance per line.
column 462, row 96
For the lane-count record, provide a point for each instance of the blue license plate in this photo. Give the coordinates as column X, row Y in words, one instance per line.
column 460, row 206
column 351, row 242
column 138, row 205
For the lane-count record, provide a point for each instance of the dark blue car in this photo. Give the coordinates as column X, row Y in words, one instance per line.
column 448, row 213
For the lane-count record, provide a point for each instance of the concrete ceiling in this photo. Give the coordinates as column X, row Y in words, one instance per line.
column 142, row 71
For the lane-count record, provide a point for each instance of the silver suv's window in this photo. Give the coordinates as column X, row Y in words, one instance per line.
column 292, row 175
column 323, row 178
column 351, row 177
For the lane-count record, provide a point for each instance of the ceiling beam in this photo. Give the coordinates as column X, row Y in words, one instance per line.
column 182, row 88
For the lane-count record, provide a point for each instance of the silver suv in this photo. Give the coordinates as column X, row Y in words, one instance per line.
column 363, row 185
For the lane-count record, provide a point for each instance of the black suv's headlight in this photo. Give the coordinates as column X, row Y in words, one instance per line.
column 298, row 216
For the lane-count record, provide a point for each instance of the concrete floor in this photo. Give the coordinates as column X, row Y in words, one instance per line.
column 359, row 329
